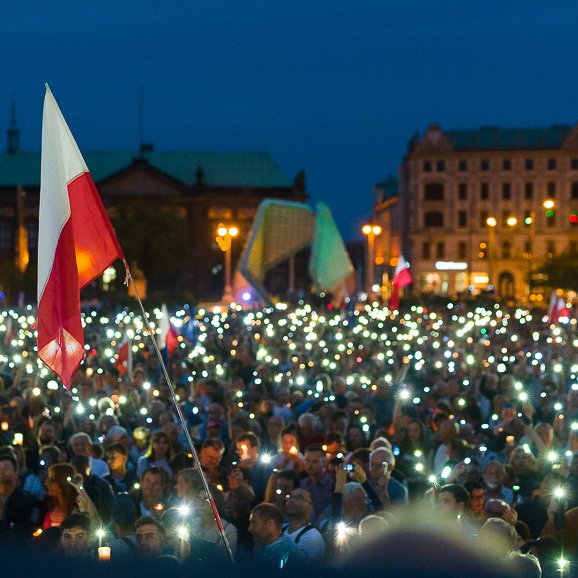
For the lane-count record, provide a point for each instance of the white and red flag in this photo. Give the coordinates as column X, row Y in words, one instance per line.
column 76, row 243
column 401, row 278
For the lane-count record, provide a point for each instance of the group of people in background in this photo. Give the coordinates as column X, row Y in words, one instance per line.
column 324, row 437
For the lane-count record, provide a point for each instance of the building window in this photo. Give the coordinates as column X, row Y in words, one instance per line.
column 463, row 166
column 216, row 213
column 484, row 191
column 441, row 166
column 575, row 190
column 528, row 247
column 485, row 165
column 434, row 219
column 507, row 165
column 550, row 249
column 5, row 235
column 529, row 191
column 462, row 219
column 462, row 191
column 462, row 250
column 441, row 250
column 573, row 246
column 483, row 219
column 506, row 191
column 434, row 192
column 426, row 250
column 32, row 230
column 550, row 219
column 551, row 164
column 574, row 164
column 529, row 164
column 551, row 188
column 427, row 166
column 506, row 250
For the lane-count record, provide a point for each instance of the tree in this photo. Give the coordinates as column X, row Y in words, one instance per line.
column 157, row 239
column 561, row 271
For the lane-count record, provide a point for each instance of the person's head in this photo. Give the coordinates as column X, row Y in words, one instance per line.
column 150, row 537
column 116, row 457
column 381, row 461
column 289, row 442
column 75, row 535
column 265, row 524
column 287, row 481
column 494, row 475
column 185, row 483
column 153, row 483
column 8, row 469
column 274, row 426
column 307, row 423
column 247, row 445
column 546, row 433
column 526, row 565
column 372, row 527
column 47, row 433
column 501, row 532
column 59, row 488
column 496, row 508
column 160, row 447
column 141, row 435
column 298, row 504
column 416, row 432
column 522, row 461
column 355, row 502
column 81, row 444
column 453, row 499
column 355, row 438
column 211, row 453
column 119, row 435
column 448, row 431
column 124, row 512
column 477, row 498
column 314, row 460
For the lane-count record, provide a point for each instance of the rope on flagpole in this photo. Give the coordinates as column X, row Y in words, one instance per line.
column 181, row 417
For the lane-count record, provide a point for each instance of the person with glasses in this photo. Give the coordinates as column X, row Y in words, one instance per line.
column 298, row 510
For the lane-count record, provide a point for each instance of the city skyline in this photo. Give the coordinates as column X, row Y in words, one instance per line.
column 335, row 92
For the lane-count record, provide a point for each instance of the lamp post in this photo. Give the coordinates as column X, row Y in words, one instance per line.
column 491, row 222
column 370, row 231
column 225, row 236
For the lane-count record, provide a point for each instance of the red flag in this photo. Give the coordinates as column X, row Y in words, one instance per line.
column 123, row 361
column 401, row 278
column 76, row 243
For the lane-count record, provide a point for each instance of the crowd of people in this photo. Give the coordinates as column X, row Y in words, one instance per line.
column 325, row 436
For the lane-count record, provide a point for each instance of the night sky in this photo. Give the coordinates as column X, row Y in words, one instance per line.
column 336, row 88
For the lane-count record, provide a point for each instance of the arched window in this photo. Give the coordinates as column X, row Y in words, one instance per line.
column 434, row 219
column 433, row 192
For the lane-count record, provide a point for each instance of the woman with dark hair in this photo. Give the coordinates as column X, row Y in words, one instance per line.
column 413, row 447
column 289, row 456
column 61, row 495
column 160, row 453
column 355, row 438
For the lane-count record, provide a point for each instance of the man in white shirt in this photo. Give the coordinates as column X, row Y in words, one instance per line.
column 299, row 509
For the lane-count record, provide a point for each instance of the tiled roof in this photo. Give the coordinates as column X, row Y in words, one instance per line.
column 493, row 138
column 239, row 169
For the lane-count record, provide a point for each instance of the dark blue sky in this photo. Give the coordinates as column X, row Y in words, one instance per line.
column 336, row 88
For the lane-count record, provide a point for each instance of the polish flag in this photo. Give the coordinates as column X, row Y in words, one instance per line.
column 401, row 278
column 168, row 335
column 123, row 362
column 76, row 243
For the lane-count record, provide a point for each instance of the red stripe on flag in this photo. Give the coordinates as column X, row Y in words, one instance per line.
column 60, row 336
column 94, row 238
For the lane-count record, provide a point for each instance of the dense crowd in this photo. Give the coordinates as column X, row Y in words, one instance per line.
column 324, row 435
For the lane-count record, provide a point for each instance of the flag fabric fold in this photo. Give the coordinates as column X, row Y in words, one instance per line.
column 76, row 243
column 401, row 278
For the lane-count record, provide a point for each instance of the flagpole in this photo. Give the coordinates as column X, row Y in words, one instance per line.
column 181, row 417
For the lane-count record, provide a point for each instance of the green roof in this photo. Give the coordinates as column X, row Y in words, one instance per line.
column 493, row 138
column 221, row 169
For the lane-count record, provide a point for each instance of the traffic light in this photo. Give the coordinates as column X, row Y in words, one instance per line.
column 574, row 218
column 482, row 253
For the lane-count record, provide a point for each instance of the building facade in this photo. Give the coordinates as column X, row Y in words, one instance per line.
column 483, row 209
column 190, row 192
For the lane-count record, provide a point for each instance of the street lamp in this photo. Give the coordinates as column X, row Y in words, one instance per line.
column 225, row 236
column 491, row 222
column 370, row 231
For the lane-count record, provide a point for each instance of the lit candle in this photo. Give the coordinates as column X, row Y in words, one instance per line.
column 104, row 553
